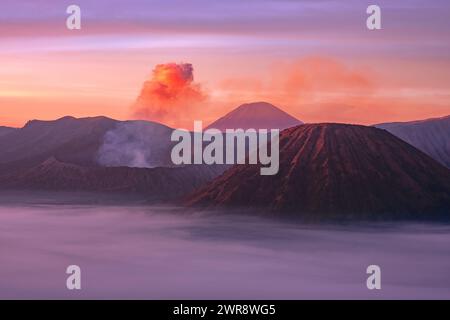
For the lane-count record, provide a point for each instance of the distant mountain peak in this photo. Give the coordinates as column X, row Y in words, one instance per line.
column 257, row 115
column 256, row 106
column 66, row 118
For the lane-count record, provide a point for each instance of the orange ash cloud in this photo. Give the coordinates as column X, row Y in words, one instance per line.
column 170, row 96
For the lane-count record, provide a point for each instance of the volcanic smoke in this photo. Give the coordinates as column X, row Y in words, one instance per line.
column 170, row 94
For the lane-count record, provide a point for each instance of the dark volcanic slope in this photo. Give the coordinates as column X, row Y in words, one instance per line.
column 336, row 170
column 70, row 139
column 258, row 115
column 432, row 136
column 155, row 183
column 84, row 141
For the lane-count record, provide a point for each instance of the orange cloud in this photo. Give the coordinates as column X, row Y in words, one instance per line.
column 321, row 89
column 319, row 75
column 170, row 95
column 304, row 80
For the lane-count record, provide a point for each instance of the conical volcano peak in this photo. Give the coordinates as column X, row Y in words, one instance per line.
column 334, row 170
column 258, row 115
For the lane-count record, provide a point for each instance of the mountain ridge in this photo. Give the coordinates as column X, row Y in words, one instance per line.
column 432, row 136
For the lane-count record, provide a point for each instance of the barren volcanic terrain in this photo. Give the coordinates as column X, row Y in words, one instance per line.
column 338, row 170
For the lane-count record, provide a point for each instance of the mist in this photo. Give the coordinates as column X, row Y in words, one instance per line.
column 163, row 253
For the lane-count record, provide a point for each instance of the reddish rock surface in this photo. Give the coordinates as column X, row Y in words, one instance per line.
column 337, row 170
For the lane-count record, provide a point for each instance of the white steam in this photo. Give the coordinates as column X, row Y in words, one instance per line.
column 138, row 144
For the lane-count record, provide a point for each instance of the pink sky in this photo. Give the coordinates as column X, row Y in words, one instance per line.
column 314, row 59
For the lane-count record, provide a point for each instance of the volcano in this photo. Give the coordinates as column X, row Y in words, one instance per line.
column 337, row 171
column 258, row 115
column 97, row 154
column 69, row 139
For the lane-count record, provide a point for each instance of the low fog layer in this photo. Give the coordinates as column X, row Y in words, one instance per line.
column 162, row 253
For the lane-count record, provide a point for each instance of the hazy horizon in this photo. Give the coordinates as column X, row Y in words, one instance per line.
column 205, row 124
